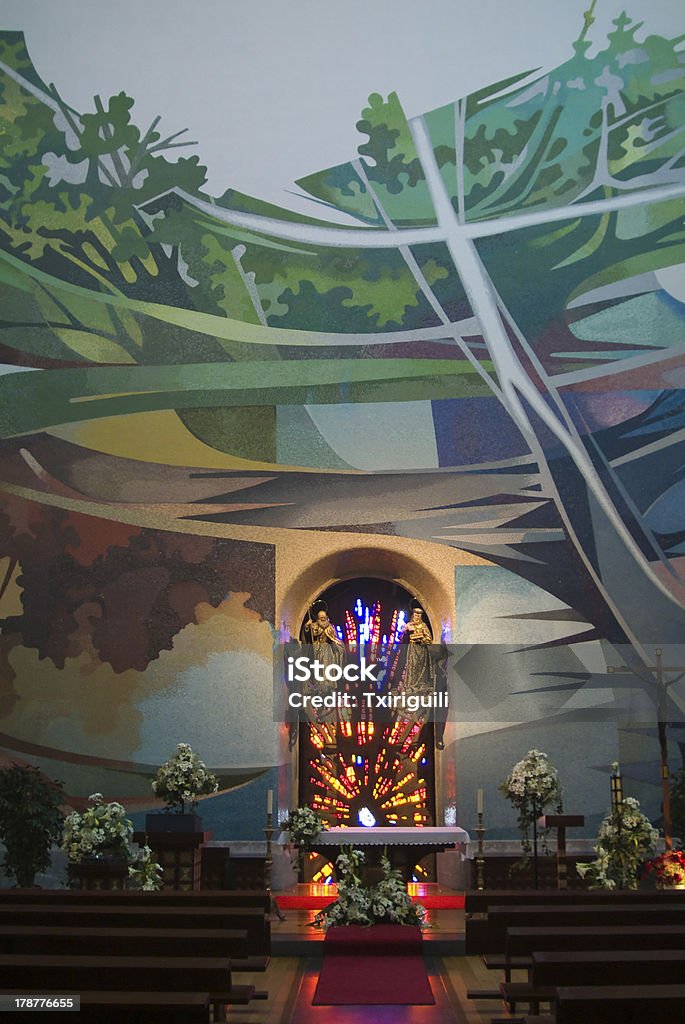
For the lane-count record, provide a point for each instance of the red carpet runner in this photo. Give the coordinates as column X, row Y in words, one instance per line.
column 379, row 965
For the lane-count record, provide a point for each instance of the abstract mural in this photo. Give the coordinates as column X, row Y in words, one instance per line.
column 484, row 350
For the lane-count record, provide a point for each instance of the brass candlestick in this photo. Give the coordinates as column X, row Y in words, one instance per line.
column 480, row 857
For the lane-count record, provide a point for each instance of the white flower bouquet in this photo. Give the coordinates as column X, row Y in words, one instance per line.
column 182, row 779
column 303, row 824
column 532, row 786
column 625, row 839
column 102, row 830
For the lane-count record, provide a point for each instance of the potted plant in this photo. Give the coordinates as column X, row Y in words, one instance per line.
column 97, row 843
column 532, row 786
column 102, row 830
column 179, row 782
column 303, row 825
column 31, row 820
column 626, row 837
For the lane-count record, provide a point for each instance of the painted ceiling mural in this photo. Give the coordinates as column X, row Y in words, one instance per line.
column 491, row 358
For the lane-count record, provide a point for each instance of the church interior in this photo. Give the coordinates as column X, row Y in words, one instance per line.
column 342, row 543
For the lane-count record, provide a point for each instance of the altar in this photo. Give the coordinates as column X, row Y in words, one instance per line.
column 404, row 845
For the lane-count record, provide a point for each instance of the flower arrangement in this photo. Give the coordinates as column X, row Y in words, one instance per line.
column 385, row 902
column 531, row 786
column 304, row 825
column 146, row 873
column 667, row 870
column 103, row 829
column 182, row 779
column 625, row 838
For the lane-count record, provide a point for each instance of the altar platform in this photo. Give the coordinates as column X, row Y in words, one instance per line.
column 296, row 937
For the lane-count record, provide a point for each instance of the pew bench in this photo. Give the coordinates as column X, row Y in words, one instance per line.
column 479, row 937
column 88, row 941
column 249, row 919
column 127, row 897
column 477, row 901
column 607, row 967
column 501, row 918
column 98, row 1007
column 521, row 943
column 624, row 1004
column 129, row 974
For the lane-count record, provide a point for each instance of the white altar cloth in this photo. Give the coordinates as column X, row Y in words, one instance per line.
column 438, row 835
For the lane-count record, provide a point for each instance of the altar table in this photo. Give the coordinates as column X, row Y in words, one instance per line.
column 405, row 845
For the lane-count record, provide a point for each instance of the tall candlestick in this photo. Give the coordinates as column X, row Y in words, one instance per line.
column 270, row 801
column 479, row 801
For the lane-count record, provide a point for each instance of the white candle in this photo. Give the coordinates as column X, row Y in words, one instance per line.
column 479, row 801
column 270, row 801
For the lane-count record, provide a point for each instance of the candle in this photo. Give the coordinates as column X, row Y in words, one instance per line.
column 270, row 801
column 479, row 801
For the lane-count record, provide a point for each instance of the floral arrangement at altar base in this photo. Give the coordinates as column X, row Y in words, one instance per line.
column 101, row 830
column 386, row 902
column 667, row 870
column 303, row 825
column 532, row 786
column 625, row 838
column 182, row 779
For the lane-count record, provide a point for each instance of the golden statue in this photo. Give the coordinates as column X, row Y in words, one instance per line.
column 419, row 674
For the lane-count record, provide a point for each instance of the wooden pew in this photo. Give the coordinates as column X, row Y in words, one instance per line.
column 500, row 918
column 629, row 1004
column 523, row 942
column 130, row 1007
column 478, row 938
column 608, row 967
column 77, row 941
column 477, row 901
column 249, row 919
column 136, row 897
column 588, row 968
column 127, row 973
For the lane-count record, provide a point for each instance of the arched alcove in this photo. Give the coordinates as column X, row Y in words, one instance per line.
column 310, row 578
column 369, row 763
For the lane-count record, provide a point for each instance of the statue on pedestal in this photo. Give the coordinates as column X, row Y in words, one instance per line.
column 419, row 673
column 327, row 649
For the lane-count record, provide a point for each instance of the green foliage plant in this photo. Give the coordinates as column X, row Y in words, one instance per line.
column 31, row 820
